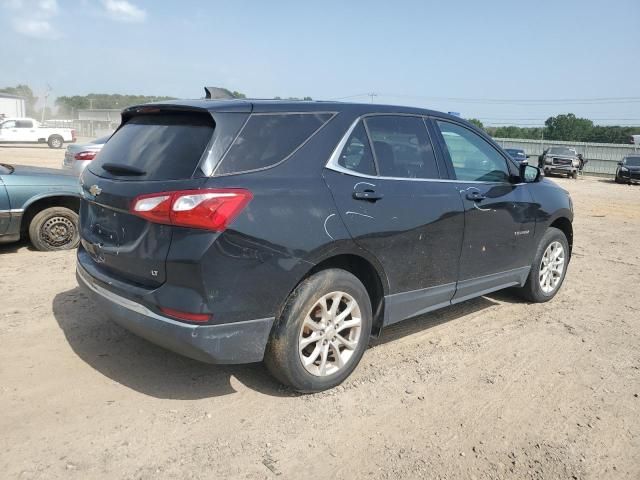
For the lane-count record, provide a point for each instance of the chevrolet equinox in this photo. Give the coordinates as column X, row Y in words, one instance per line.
column 235, row 231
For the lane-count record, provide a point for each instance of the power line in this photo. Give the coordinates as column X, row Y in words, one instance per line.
column 506, row 101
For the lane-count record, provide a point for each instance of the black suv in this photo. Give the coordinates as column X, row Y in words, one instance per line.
column 628, row 169
column 237, row 231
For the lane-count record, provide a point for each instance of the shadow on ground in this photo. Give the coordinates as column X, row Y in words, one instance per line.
column 433, row 319
column 152, row 370
column 15, row 246
column 143, row 366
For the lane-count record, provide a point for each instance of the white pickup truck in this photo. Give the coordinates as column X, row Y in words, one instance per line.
column 28, row 130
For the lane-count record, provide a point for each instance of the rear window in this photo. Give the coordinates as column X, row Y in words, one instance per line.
column 166, row 146
column 268, row 139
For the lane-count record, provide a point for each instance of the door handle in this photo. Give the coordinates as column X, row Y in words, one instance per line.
column 368, row 194
column 475, row 196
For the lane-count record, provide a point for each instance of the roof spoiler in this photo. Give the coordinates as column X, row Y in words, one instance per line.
column 217, row 93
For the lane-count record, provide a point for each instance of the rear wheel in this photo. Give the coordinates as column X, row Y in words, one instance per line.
column 54, row 228
column 322, row 332
column 549, row 267
column 55, row 141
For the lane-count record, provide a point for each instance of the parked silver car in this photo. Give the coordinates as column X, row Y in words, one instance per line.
column 78, row 156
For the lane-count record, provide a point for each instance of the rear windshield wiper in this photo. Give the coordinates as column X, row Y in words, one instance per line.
column 119, row 169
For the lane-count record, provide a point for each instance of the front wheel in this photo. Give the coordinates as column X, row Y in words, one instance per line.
column 322, row 332
column 549, row 267
column 54, row 228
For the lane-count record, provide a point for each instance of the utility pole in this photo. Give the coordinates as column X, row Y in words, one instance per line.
column 46, row 96
column 372, row 94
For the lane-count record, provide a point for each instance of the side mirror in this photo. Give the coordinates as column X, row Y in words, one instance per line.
column 620, row 163
column 529, row 173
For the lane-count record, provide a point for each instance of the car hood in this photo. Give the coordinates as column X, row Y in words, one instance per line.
column 632, row 168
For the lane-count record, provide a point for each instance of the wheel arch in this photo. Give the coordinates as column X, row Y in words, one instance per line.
column 563, row 224
column 38, row 204
column 364, row 269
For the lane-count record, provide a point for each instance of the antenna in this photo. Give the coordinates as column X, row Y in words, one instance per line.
column 217, row 93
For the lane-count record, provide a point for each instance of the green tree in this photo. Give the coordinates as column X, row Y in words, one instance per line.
column 25, row 92
column 69, row 106
column 476, row 122
column 568, row 128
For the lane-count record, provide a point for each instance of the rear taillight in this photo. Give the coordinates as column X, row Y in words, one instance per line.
column 209, row 209
column 88, row 155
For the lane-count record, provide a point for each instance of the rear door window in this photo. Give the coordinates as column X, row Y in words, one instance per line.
column 356, row 154
column 165, row 146
column 402, row 147
column 268, row 139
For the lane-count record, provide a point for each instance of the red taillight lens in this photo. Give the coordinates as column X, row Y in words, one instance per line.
column 87, row 155
column 189, row 317
column 209, row 209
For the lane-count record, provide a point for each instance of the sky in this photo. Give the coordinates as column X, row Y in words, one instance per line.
column 501, row 61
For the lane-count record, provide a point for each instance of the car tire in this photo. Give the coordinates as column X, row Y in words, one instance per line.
column 54, row 228
column 574, row 175
column 307, row 317
column 55, row 141
column 536, row 289
column 617, row 179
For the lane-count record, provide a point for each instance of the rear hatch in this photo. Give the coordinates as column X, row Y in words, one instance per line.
column 154, row 150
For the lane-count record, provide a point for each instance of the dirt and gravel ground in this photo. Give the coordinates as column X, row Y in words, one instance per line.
column 492, row 388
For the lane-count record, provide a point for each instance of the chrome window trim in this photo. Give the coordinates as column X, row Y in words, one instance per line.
column 332, row 163
column 332, row 113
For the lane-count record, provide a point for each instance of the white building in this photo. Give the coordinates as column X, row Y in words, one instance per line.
column 12, row 106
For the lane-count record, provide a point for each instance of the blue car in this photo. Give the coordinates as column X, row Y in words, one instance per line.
column 40, row 202
column 517, row 154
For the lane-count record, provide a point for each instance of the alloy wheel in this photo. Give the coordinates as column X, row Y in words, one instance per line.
column 551, row 267
column 330, row 334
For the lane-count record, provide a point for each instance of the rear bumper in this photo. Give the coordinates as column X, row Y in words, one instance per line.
column 238, row 342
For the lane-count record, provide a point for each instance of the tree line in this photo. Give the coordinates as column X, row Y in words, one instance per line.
column 566, row 127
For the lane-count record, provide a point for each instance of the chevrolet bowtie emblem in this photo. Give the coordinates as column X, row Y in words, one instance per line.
column 95, row 190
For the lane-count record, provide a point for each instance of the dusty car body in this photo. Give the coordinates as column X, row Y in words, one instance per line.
column 41, row 203
column 242, row 230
